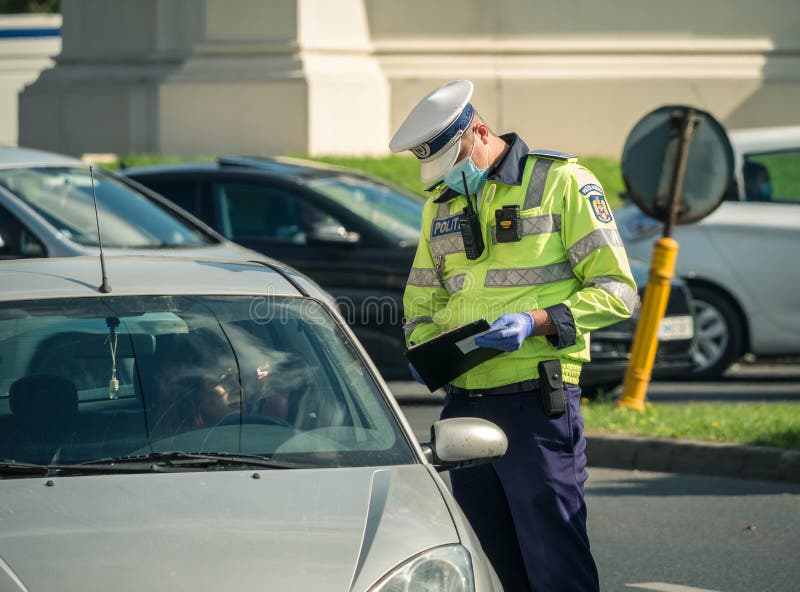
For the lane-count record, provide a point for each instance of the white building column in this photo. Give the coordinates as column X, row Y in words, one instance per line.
column 28, row 43
column 208, row 77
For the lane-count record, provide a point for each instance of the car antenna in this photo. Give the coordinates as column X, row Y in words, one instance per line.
column 105, row 287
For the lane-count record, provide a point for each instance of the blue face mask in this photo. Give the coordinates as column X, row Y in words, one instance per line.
column 475, row 177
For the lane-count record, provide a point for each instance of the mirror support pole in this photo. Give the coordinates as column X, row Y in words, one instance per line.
column 656, row 296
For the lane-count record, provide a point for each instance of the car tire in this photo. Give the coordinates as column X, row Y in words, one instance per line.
column 719, row 336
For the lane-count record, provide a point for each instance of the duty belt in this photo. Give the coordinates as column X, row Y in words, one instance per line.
column 506, row 389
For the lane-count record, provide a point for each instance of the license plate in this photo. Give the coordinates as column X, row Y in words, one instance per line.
column 675, row 328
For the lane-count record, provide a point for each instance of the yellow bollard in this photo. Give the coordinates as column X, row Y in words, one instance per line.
column 645, row 341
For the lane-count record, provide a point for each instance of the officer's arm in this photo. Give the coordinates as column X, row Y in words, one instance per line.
column 597, row 256
column 424, row 293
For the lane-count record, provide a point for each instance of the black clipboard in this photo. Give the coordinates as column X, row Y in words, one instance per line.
column 447, row 356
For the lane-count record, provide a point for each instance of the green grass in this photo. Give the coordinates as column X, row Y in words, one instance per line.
column 401, row 170
column 146, row 159
column 763, row 424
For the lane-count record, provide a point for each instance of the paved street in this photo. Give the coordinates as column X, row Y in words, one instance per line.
column 710, row 533
column 679, row 533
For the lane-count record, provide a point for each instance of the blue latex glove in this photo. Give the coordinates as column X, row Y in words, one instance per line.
column 414, row 373
column 508, row 332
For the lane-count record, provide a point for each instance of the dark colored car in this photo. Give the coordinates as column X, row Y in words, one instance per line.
column 356, row 236
column 353, row 234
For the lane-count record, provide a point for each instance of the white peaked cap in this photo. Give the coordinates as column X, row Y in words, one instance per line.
column 433, row 129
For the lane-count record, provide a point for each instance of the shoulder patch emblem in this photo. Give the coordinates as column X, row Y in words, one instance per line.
column 600, row 208
column 591, row 187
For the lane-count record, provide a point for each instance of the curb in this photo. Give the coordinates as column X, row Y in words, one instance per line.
column 693, row 457
column 662, row 454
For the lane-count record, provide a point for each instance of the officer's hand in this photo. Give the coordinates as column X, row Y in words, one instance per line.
column 415, row 374
column 508, row 332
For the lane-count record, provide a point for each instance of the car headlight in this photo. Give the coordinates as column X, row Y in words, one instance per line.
column 444, row 569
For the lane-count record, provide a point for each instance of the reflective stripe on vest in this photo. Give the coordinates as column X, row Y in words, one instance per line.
column 447, row 245
column 536, row 225
column 425, row 278
column 591, row 242
column 533, row 196
column 528, row 276
column 454, row 284
column 614, row 286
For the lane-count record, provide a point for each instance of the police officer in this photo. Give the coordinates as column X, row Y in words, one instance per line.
column 540, row 255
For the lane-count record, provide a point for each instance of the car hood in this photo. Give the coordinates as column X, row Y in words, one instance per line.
column 326, row 529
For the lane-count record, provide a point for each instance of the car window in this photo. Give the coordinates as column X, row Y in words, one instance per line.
column 184, row 194
column 391, row 212
column 63, row 197
column 87, row 379
column 252, row 211
column 772, row 177
column 16, row 240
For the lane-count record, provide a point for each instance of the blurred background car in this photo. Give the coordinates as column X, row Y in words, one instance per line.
column 740, row 262
column 232, row 414
column 47, row 210
column 356, row 236
column 353, row 234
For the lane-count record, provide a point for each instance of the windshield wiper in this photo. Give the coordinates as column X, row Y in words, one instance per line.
column 12, row 467
column 8, row 467
column 177, row 459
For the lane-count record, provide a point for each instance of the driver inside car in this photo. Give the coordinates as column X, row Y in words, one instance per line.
column 217, row 398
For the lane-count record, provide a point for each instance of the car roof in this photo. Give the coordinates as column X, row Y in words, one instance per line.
column 16, row 156
column 35, row 279
column 765, row 139
column 279, row 166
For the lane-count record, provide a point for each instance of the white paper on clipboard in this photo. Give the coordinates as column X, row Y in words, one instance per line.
column 467, row 344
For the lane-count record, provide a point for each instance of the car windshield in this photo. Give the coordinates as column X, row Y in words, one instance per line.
column 87, row 379
column 396, row 214
column 63, row 197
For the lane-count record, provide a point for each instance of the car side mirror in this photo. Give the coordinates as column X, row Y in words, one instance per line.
column 464, row 442
column 332, row 234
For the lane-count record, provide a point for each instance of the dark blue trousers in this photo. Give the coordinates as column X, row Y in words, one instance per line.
column 527, row 508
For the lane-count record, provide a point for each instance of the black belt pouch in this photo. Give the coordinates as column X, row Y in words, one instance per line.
column 551, row 387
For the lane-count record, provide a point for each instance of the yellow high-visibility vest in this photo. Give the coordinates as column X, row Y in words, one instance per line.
column 570, row 253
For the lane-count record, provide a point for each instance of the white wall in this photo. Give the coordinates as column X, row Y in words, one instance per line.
column 339, row 76
column 576, row 75
column 27, row 45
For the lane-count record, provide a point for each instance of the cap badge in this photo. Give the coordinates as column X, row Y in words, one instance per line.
column 422, row 151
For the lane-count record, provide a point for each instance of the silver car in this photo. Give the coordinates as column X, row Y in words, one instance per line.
column 47, row 210
column 740, row 262
column 212, row 425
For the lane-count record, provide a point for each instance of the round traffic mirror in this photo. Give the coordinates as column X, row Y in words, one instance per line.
column 651, row 157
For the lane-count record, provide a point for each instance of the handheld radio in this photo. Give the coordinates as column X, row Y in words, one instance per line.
column 470, row 227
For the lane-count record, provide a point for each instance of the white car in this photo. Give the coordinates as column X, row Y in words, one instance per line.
column 741, row 261
column 211, row 425
column 47, row 210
